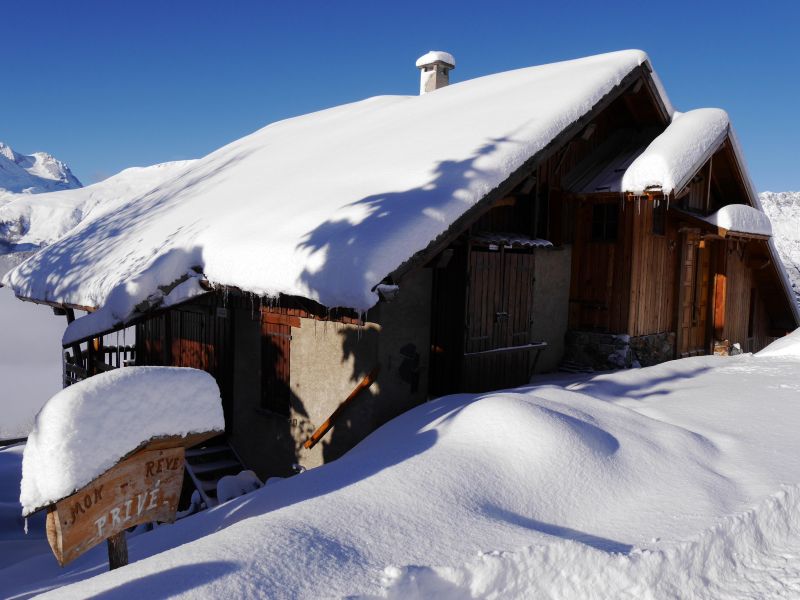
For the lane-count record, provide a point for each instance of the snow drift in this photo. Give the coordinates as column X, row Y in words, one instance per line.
column 676, row 480
column 87, row 428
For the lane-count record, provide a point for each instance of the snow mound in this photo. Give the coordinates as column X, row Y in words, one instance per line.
column 667, row 478
column 233, row 486
column 785, row 347
column 731, row 560
column 326, row 205
column 88, row 427
column 741, row 218
column 32, row 174
column 674, row 156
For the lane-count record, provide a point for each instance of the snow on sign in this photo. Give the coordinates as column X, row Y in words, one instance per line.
column 107, row 453
column 141, row 489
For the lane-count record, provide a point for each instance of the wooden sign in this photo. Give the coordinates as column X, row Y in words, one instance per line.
column 142, row 488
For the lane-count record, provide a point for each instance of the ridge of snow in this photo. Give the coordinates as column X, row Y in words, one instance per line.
column 674, row 156
column 32, row 174
column 327, row 204
column 741, row 218
column 86, row 428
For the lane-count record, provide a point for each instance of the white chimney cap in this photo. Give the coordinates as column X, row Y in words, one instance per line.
column 436, row 56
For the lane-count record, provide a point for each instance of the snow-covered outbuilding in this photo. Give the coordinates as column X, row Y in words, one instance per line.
column 459, row 240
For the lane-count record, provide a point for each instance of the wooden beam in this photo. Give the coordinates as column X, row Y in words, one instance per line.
column 323, row 429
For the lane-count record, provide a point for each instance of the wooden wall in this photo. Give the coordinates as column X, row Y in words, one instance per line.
column 740, row 281
column 654, row 269
column 599, row 288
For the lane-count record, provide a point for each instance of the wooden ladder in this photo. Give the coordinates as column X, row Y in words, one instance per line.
column 209, row 462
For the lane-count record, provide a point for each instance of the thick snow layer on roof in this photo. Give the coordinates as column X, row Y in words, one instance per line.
column 742, row 219
column 680, row 481
column 37, row 220
column 674, row 156
column 87, row 428
column 327, row 204
column 436, row 55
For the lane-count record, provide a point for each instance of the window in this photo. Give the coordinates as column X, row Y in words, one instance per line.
column 605, row 218
column 751, row 313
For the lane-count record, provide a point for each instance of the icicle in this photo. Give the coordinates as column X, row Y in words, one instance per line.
column 26, row 526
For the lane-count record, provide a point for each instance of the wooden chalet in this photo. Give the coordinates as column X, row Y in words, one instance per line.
column 558, row 265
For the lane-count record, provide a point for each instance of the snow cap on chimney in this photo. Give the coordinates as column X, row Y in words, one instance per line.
column 434, row 69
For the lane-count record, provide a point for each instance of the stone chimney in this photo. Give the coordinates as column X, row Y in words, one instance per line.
column 434, row 69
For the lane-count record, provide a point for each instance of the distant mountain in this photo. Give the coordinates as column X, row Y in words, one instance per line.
column 30, row 221
column 783, row 209
column 32, row 174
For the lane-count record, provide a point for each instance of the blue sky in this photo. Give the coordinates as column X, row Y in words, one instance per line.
column 108, row 85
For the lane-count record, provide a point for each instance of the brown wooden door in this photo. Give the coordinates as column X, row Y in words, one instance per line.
column 499, row 305
column 693, row 296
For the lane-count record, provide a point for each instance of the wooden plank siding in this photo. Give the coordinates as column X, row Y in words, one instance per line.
column 653, row 282
column 599, row 298
column 744, row 324
column 499, row 307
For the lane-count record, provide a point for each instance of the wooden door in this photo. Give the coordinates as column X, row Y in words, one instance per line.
column 693, row 296
column 499, row 308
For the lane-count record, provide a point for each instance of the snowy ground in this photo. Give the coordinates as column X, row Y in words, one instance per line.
column 30, row 360
column 680, row 480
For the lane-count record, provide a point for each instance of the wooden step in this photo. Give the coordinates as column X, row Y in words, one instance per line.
column 209, row 463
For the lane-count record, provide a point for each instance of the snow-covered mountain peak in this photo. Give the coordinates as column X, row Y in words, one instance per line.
column 33, row 173
column 783, row 209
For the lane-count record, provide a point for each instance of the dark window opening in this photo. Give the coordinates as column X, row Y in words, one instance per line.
column 605, row 221
column 660, row 217
column 275, row 390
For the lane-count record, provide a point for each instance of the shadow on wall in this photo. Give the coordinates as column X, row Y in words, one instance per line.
column 395, row 390
column 391, row 215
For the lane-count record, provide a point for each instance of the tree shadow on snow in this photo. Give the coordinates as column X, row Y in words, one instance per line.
column 394, row 215
column 604, row 387
column 599, row 543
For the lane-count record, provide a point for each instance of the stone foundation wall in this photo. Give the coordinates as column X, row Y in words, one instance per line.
column 653, row 349
column 590, row 350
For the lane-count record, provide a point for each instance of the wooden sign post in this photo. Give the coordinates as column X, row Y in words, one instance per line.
column 142, row 488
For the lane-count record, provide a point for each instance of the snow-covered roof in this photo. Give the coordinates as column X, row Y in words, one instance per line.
column 85, row 429
column 436, row 55
column 740, row 218
column 670, row 160
column 324, row 205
